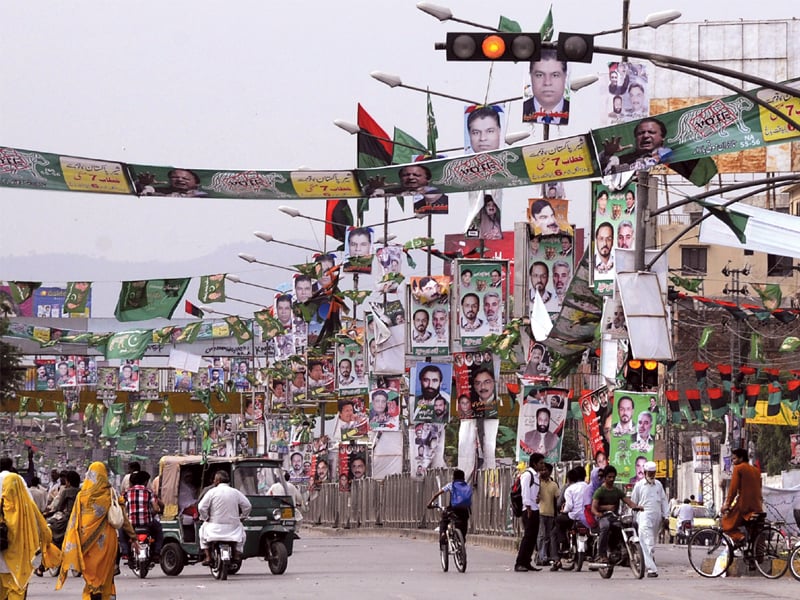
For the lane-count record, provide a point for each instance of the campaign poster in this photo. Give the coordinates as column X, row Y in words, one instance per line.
column 431, row 392
column 430, row 315
column 351, row 367
column 426, row 448
column 45, row 374
column 550, row 270
column 107, row 383
column 358, row 250
column 475, row 377
column 390, row 259
column 597, row 413
column 614, row 226
column 320, row 377
column 279, row 434
column 632, row 435
column 484, row 127
column 484, row 220
column 540, row 426
column 149, row 384
column 65, row 372
column 482, row 294
column 129, row 376
column 297, row 387
column 627, row 95
column 384, row 404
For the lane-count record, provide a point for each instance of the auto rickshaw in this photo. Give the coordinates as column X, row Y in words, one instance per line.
column 270, row 529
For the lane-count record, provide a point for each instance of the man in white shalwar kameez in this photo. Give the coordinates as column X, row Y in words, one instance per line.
column 649, row 494
column 220, row 510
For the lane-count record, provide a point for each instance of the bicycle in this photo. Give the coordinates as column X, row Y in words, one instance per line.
column 456, row 546
column 794, row 557
column 764, row 547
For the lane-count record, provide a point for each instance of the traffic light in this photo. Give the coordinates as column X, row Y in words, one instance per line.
column 641, row 375
column 575, row 47
column 494, row 46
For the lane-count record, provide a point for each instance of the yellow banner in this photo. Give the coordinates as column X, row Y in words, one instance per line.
column 774, row 129
column 85, row 175
column 558, row 159
column 785, row 417
column 330, row 184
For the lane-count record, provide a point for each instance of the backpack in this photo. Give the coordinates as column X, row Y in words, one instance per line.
column 461, row 495
column 516, row 493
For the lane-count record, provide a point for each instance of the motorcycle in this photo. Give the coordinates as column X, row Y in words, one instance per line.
column 141, row 561
column 582, row 543
column 624, row 549
column 223, row 562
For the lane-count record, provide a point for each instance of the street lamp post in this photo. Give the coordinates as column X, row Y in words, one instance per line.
column 268, row 238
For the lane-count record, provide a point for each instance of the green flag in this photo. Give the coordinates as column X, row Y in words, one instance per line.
column 790, row 344
column 128, row 344
column 705, row 337
column 112, row 426
column 240, row 329
column 148, row 299
column 737, row 222
column 77, row 296
column 138, row 411
column 212, row 289
column 508, row 26
column 433, row 132
column 546, row 30
column 770, row 294
column 189, row 333
column 270, row 326
column 22, row 290
column 401, row 153
column 691, row 285
column 756, row 348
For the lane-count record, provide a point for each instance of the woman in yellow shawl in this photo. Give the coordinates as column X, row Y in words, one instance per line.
column 27, row 533
column 90, row 542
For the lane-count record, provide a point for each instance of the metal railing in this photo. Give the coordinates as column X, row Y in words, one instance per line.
column 399, row 502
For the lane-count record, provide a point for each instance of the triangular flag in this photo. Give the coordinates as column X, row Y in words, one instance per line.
column 737, row 222
column 541, row 324
column 239, row 328
column 546, row 30
column 699, row 171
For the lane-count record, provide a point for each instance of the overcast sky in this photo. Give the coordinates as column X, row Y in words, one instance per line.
column 242, row 85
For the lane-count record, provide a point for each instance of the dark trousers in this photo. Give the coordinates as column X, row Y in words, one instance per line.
column 460, row 516
column 154, row 528
column 530, row 524
column 559, row 540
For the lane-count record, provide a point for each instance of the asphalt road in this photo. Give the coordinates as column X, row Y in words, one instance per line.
column 387, row 565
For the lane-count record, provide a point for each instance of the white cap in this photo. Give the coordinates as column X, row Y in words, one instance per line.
column 649, row 466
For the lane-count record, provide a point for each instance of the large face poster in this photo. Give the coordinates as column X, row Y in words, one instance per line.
column 632, row 434
column 358, row 250
column 430, row 315
column 546, row 92
column 551, row 269
column 614, row 226
column 475, row 377
column 384, row 404
column 320, row 376
column 426, row 448
column 541, row 422
column 431, row 392
column 484, row 126
column 482, row 300
column 46, row 375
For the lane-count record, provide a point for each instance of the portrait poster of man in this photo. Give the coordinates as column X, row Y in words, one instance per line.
column 298, row 392
column 384, row 407
column 358, row 252
column 106, row 383
column 320, row 376
column 484, row 127
column 85, row 370
column 128, row 376
column 614, row 226
column 416, row 180
column 484, row 219
column 546, row 91
column 279, row 435
column 549, row 216
column 476, row 375
column 597, row 414
column 627, row 93
column 631, row 414
column 635, row 146
column 348, row 352
column 390, row 258
column 46, row 374
column 65, row 372
column 614, row 323
column 550, row 272
column 481, row 303
column 431, row 392
column 149, row 384
column 541, row 422
column 429, row 327
column 537, row 367
column 426, row 448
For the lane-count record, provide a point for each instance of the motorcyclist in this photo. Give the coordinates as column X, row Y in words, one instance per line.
column 221, row 509
column 606, row 500
column 142, row 506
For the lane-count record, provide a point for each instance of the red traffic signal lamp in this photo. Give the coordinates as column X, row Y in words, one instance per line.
column 575, row 47
column 514, row 47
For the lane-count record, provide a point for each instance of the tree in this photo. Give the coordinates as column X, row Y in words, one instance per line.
column 11, row 373
column 773, row 448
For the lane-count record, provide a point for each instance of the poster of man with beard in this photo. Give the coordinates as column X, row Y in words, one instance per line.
column 541, row 422
column 431, row 393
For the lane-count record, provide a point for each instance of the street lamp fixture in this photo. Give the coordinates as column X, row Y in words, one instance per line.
column 579, row 83
column 268, row 238
column 445, row 14
column 395, row 81
column 252, row 259
column 237, row 279
column 384, row 240
column 653, row 20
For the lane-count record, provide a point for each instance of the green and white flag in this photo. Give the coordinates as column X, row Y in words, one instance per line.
column 401, row 153
column 212, row 289
column 115, row 416
column 148, row 299
column 22, row 290
column 433, row 131
column 546, row 30
column 128, row 344
column 239, row 329
column 77, row 296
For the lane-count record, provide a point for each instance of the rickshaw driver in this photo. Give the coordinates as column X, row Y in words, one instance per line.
column 220, row 509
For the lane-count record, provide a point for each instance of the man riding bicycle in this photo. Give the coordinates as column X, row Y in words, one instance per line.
column 744, row 494
column 459, row 507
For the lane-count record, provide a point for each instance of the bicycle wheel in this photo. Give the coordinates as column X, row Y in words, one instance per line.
column 771, row 553
column 710, row 552
column 459, row 551
column 794, row 562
